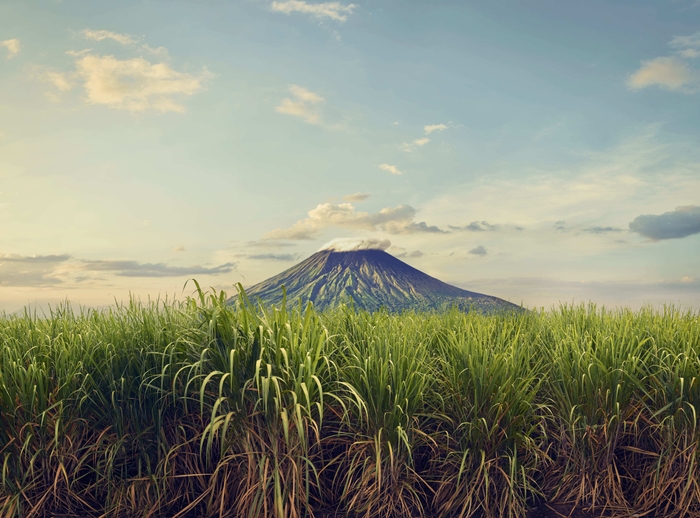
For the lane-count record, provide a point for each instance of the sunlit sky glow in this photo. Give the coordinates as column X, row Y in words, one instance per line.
column 538, row 151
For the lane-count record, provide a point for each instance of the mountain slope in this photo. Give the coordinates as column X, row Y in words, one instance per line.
column 371, row 279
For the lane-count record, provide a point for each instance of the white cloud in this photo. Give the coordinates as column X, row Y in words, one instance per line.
column 390, row 168
column 78, row 53
column 13, row 47
column 333, row 10
column 666, row 72
column 305, row 95
column 419, row 142
column 349, row 244
column 298, row 109
column 434, row 127
column 671, row 72
column 124, row 39
column 179, row 248
column 135, row 84
column 304, row 105
column 394, row 220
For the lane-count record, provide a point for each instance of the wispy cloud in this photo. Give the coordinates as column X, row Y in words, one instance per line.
column 304, row 105
column 333, row 10
column 78, row 53
column 476, row 226
column 419, row 142
column 47, row 270
column 688, row 46
column 161, row 52
column 682, row 222
column 268, row 244
column 394, row 220
column 274, row 257
column 434, row 127
column 13, row 47
column 30, row 270
column 179, row 248
column 59, row 80
column 123, row 39
column 421, row 227
column 612, row 181
column 16, row 258
column 602, row 230
column 28, row 278
column 409, row 255
column 137, row 269
column 100, row 35
column 390, row 169
column 358, row 196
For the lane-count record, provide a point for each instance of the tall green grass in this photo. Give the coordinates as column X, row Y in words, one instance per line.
column 196, row 408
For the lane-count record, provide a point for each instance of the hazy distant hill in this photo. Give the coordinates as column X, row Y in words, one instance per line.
column 371, row 279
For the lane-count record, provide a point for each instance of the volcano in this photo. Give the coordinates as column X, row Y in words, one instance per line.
column 370, row 279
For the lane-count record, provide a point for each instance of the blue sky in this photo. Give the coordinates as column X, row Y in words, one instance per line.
column 539, row 151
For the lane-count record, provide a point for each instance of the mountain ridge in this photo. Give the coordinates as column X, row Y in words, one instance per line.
column 369, row 279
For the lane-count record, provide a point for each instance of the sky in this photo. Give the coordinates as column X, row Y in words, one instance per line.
column 544, row 152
